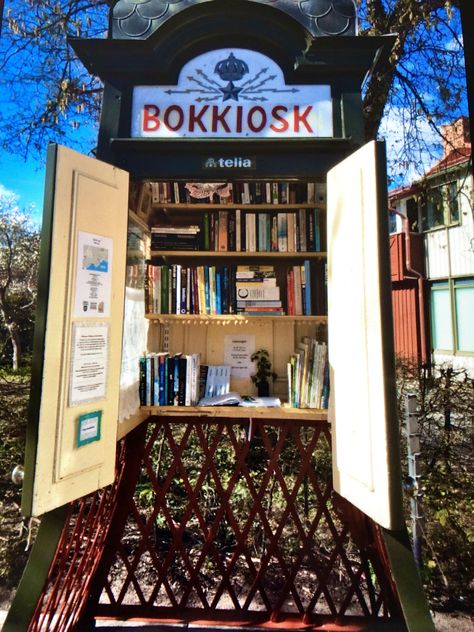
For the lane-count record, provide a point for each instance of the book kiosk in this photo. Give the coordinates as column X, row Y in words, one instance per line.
column 232, row 206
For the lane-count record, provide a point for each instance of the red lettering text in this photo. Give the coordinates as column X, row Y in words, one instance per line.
column 276, row 115
column 263, row 118
column 196, row 118
column 151, row 122
column 301, row 118
column 239, row 119
column 168, row 117
column 220, row 118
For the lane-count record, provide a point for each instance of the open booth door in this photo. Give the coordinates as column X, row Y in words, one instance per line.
column 363, row 412
column 72, row 428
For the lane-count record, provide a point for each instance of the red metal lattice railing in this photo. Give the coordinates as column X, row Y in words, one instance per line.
column 220, row 526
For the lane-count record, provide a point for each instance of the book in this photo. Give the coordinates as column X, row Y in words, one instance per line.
column 223, row 244
column 264, row 293
column 282, row 223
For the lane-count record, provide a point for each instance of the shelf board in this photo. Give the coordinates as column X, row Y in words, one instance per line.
column 209, row 206
column 230, row 319
column 214, row 254
column 237, row 412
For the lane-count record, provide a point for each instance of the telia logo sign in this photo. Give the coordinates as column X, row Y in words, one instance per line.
column 237, row 162
column 231, row 93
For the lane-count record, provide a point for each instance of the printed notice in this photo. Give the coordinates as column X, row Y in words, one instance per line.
column 89, row 363
column 237, row 352
column 93, row 275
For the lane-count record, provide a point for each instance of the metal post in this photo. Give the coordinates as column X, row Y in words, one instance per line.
column 413, row 443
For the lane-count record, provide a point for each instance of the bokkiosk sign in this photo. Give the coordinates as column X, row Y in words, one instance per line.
column 232, row 93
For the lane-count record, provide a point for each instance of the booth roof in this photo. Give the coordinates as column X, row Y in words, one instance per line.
column 138, row 19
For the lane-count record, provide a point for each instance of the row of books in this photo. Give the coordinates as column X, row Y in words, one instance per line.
column 308, row 375
column 180, row 379
column 244, row 231
column 216, row 290
column 242, row 193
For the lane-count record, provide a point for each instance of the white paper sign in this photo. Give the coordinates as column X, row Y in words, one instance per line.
column 135, row 329
column 232, row 93
column 237, row 352
column 93, row 276
column 89, row 363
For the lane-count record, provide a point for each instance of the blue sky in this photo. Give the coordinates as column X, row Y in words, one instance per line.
column 24, row 179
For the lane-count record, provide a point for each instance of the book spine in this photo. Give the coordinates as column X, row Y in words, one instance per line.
column 238, row 230
column 222, row 231
column 231, row 231
column 170, row 389
column 188, row 382
column 207, row 290
column 275, row 198
column 212, row 290
column 268, row 192
column 290, row 290
column 317, row 234
column 290, row 218
column 206, row 231
column 176, row 364
column 161, row 380
column 183, row 294
column 282, row 232
column 297, row 292
column 142, row 381
column 218, row 291
column 182, row 363
column 308, row 300
column 164, row 290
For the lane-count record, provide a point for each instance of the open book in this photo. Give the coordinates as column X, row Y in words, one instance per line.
column 234, row 399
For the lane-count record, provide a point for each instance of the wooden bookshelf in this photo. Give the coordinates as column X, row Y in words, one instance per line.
column 233, row 254
column 264, row 206
column 231, row 318
column 204, row 334
column 237, row 412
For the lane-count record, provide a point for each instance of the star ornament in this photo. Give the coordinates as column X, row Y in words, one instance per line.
column 230, row 92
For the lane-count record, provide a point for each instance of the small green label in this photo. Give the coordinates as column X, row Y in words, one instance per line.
column 88, row 428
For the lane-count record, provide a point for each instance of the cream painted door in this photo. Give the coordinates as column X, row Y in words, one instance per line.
column 71, row 439
column 366, row 465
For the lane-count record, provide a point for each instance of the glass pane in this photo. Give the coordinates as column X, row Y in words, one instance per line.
column 441, row 328
column 392, row 223
column 453, row 193
column 464, row 297
column 412, row 214
column 435, row 209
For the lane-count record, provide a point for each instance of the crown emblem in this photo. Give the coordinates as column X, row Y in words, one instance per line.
column 231, row 69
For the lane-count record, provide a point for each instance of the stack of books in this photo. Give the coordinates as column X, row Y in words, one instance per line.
column 299, row 290
column 308, row 375
column 169, row 380
column 175, row 238
column 257, row 291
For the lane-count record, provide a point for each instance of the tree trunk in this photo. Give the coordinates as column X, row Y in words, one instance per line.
column 16, row 346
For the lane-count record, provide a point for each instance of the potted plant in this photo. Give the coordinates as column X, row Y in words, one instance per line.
column 263, row 372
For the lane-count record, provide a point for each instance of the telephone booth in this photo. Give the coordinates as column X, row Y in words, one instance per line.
column 232, row 206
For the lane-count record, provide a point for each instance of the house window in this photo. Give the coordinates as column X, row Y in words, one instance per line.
column 392, row 223
column 441, row 206
column 452, row 309
column 412, row 214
